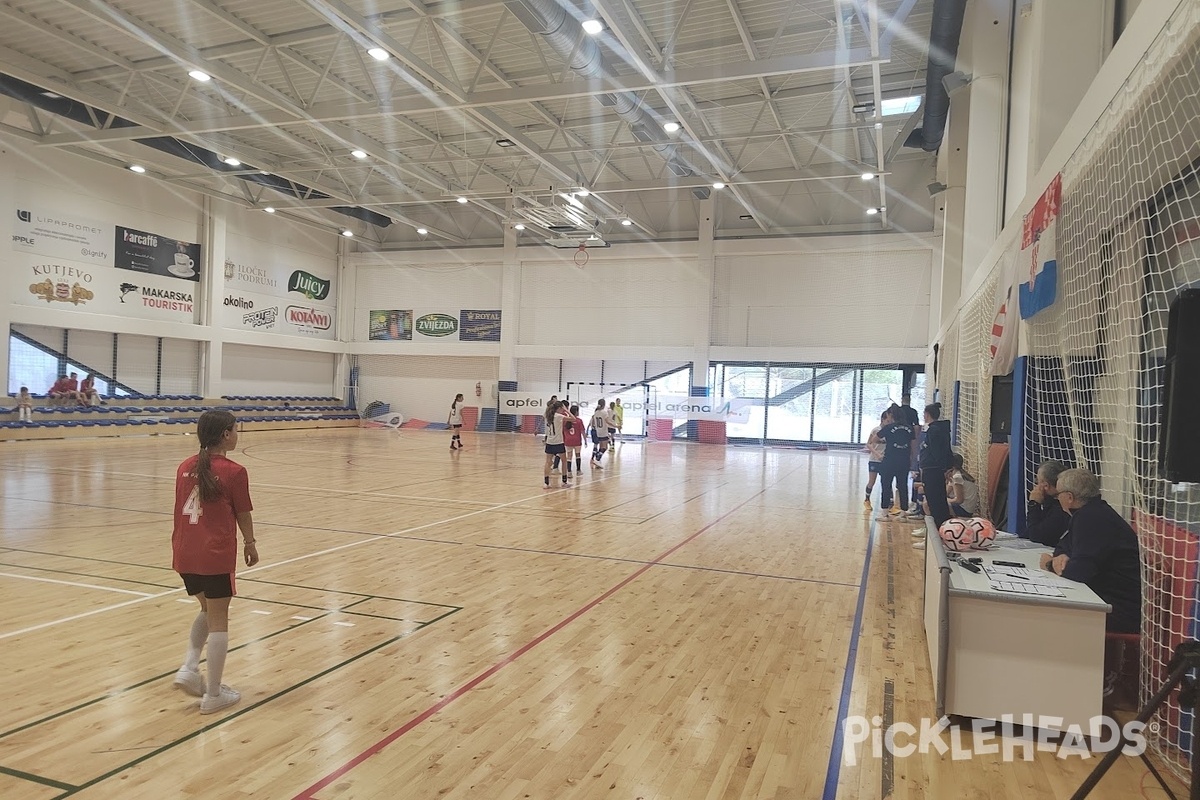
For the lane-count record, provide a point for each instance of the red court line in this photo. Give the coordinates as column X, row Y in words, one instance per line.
column 310, row 792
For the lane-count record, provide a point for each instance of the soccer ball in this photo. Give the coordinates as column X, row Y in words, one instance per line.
column 972, row 533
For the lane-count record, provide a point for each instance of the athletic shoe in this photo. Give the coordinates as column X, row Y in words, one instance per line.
column 867, row 504
column 883, row 517
column 919, row 545
column 917, row 532
column 915, row 515
column 210, row 704
column 189, row 682
column 547, row 486
column 895, row 512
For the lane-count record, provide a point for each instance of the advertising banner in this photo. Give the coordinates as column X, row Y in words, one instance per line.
column 47, row 282
column 152, row 254
column 280, row 280
column 253, row 311
column 62, row 236
column 478, row 326
column 390, row 326
column 636, row 404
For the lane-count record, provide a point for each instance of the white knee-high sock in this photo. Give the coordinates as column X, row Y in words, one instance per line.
column 218, row 646
column 196, row 640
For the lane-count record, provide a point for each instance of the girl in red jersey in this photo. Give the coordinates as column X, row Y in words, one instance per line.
column 573, row 439
column 212, row 501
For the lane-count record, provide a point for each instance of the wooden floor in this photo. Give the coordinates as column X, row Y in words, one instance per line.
column 428, row 624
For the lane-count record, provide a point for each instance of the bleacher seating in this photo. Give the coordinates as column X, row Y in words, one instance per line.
column 144, row 415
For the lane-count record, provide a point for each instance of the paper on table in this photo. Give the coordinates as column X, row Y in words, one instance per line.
column 1017, row 544
column 1027, row 575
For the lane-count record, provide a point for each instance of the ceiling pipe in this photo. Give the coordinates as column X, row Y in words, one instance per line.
column 945, row 30
column 83, row 114
column 565, row 35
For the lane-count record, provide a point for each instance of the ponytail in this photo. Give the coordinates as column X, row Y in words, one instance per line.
column 209, row 430
column 934, row 410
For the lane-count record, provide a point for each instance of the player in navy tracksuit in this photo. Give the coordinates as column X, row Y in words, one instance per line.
column 897, row 437
column 936, row 458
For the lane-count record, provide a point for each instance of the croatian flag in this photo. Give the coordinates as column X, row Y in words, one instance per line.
column 1039, row 252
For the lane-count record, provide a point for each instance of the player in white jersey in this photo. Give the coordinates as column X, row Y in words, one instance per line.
column 556, row 418
column 601, row 421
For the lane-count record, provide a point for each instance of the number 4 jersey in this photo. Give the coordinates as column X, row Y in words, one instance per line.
column 205, row 538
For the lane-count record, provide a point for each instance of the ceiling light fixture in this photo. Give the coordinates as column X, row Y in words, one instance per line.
column 745, row 216
column 873, row 211
column 359, row 154
column 519, row 226
column 627, row 222
column 378, row 53
column 866, row 176
column 138, row 168
column 505, row 143
column 422, row 231
column 593, row 27
column 878, row 126
column 863, row 108
column 462, row 200
column 718, row 185
column 199, row 75
column 583, row 193
column 269, row 210
column 670, row 127
column 349, row 234
column 231, row 161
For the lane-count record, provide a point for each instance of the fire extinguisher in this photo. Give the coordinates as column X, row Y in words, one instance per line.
column 478, row 389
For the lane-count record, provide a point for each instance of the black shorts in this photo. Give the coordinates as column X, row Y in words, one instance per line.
column 213, row 586
column 555, row 449
column 873, row 467
column 455, row 427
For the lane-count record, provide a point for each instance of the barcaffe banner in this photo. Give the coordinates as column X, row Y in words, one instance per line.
column 153, row 254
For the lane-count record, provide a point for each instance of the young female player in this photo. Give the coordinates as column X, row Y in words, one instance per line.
column 212, row 501
column 600, row 425
column 573, row 439
column 556, row 419
column 455, row 422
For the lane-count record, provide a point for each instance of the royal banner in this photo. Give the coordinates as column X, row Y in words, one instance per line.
column 152, row 254
column 478, row 326
column 62, row 236
column 45, row 282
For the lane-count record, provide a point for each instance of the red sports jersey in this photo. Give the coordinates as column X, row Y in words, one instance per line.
column 205, row 537
column 65, row 384
column 573, row 433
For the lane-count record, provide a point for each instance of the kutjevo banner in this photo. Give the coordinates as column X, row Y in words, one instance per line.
column 45, row 282
column 62, row 236
column 278, row 299
column 716, row 409
column 152, row 254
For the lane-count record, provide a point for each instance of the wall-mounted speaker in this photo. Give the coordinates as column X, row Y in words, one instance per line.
column 1002, row 400
column 1179, row 443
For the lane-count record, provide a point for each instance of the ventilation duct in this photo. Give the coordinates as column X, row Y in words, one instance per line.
column 83, row 114
column 564, row 34
column 944, row 33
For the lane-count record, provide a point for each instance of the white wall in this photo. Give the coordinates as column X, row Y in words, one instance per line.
column 250, row 370
column 422, row 387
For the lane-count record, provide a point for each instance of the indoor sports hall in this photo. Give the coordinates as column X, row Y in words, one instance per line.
column 623, row 399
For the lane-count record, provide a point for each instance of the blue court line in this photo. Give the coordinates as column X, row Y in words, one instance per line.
column 833, row 772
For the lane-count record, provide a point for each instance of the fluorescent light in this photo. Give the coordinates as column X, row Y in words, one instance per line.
column 863, row 108
column 231, row 161
column 718, row 185
column 866, row 176
column 359, row 154
column 593, row 27
column 901, row 105
column 872, row 212
column 505, row 143
column 349, row 234
column 670, row 127
column 52, row 95
column 269, row 210
column 378, row 53
column 199, row 75
column 138, row 168
column 878, row 126
column 520, row 226
column 422, row 231
column 462, row 200
column 583, row 193
column 626, row 222
column 570, row 198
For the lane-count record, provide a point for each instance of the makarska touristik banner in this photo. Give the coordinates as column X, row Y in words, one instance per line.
column 152, row 254
column 1039, row 252
column 62, row 236
column 42, row 282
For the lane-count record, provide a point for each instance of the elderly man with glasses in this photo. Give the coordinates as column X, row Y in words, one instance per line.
column 1098, row 549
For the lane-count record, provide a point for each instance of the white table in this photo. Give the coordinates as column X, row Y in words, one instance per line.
column 995, row 653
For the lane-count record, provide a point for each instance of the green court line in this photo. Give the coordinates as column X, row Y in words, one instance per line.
column 28, row 776
column 118, row 770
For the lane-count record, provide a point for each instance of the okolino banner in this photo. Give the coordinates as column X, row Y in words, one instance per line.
column 715, row 409
column 278, row 300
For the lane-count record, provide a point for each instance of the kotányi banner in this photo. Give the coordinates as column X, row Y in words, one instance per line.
column 156, row 255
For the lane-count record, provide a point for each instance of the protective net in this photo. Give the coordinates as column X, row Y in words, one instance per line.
column 1128, row 241
column 975, row 385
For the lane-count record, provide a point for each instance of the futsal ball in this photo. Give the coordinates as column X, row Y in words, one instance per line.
column 972, row 533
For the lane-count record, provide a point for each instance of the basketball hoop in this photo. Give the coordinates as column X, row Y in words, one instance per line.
column 581, row 255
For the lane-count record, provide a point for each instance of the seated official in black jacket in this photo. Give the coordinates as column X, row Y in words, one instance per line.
column 1045, row 520
column 1099, row 549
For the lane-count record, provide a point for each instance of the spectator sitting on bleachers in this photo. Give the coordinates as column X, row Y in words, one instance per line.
column 66, row 388
column 88, row 395
column 1045, row 519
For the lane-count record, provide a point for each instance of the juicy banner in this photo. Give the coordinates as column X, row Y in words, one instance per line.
column 308, row 285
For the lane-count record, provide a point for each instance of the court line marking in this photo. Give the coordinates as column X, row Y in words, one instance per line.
column 379, row 746
column 74, row 583
column 833, row 771
column 398, row 534
column 29, row 776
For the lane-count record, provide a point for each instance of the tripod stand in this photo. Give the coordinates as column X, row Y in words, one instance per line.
column 1185, row 659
